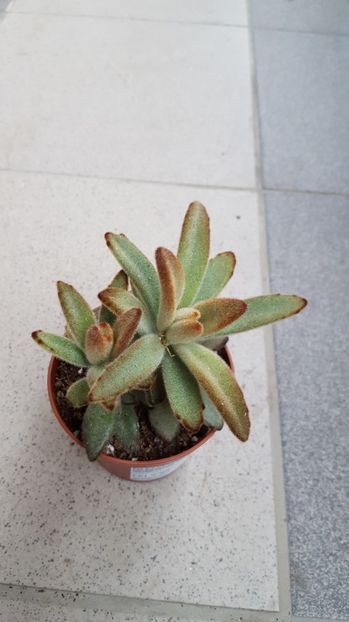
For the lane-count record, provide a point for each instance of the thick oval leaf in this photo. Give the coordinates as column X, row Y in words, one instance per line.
column 120, row 280
column 77, row 393
column 138, row 268
column 183, row 331
column 99, row 342
column 182, row 392
column 77, row 312
column 128, row 370
column 61, row 347
column 97, row 429
column 125, row 328
column 219, row 382
column 265, row 310
column 163, row 421
column 219, row 270
column 187, row 313
column 212, row 418
column 171, row 275
column 193, row 250
column 216, row 313
column 119, row 301
column 126, row 427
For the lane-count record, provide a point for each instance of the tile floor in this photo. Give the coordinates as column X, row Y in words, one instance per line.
column 115, row 115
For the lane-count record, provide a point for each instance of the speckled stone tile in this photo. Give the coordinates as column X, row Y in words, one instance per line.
column 126, row 99
column 206, row 534
column 326, row 16
column 303, row 93
column 309, row 250
column 221, row 11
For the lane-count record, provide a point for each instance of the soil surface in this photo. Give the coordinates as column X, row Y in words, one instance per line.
column 151, row 446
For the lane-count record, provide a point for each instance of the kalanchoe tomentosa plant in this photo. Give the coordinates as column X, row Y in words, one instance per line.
column 157, row 344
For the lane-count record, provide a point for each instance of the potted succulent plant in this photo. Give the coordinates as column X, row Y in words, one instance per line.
column 145, row 379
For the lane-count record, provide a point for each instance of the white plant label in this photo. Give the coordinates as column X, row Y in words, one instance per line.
column 147, row 474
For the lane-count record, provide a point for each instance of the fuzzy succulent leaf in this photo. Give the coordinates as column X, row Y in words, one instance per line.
column 184, row 331
column 77, row 312
column 216, row 313
column 125, row 328
column 163, row 421
column 265, row 310
column 61, row 347
column 129, row 369
column 119, row 301
column 126, row 426
column 93, row 373
column 97, row 429
column 219, row 382
column 187, row 313
column 182, row 392
column 219, row 270
column 212, row 418
column 138, row 268
column 120, row 280
column 214, row 343
column 171, row 275
column 98, row 342
column 193, row 250
column 77, row 393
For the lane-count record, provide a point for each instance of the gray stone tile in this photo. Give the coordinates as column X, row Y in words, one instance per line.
column 310, row 15
column 303, row 85
column 130, row 99
column 309, row 254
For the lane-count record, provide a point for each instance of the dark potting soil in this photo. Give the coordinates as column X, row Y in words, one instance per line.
column 151, row 446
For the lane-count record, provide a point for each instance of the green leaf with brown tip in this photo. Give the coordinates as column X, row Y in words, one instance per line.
column 182, row 392
column 183, row 331
column 119, row 301
column 61, row 347
column 99, row 342
column 171, row 275
column 212, row 418
column 77, row 312
column 77, row 393
column 120, row 281
column 97, row 429
column 163, row 421
column 193, row 250
column 187, row 313
column 265, row 310
column 138, row 268
column 129, row 369
column 125, row 328
column 219, row 270
column 219, row 382
column 126, row 427
column 216, row 313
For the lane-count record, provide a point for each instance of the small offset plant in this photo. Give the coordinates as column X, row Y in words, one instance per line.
column 156, row 343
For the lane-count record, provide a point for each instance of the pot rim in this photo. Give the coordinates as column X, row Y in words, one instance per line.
column 113, row 459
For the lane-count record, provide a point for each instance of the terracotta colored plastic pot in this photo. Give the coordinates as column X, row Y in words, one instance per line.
column 138, row 471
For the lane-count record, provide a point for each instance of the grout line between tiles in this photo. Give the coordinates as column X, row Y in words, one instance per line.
column 284, row 586
column 321, row 33
column 133, row 605
column 150, row 20
column 128, row 180
column 157, row 182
